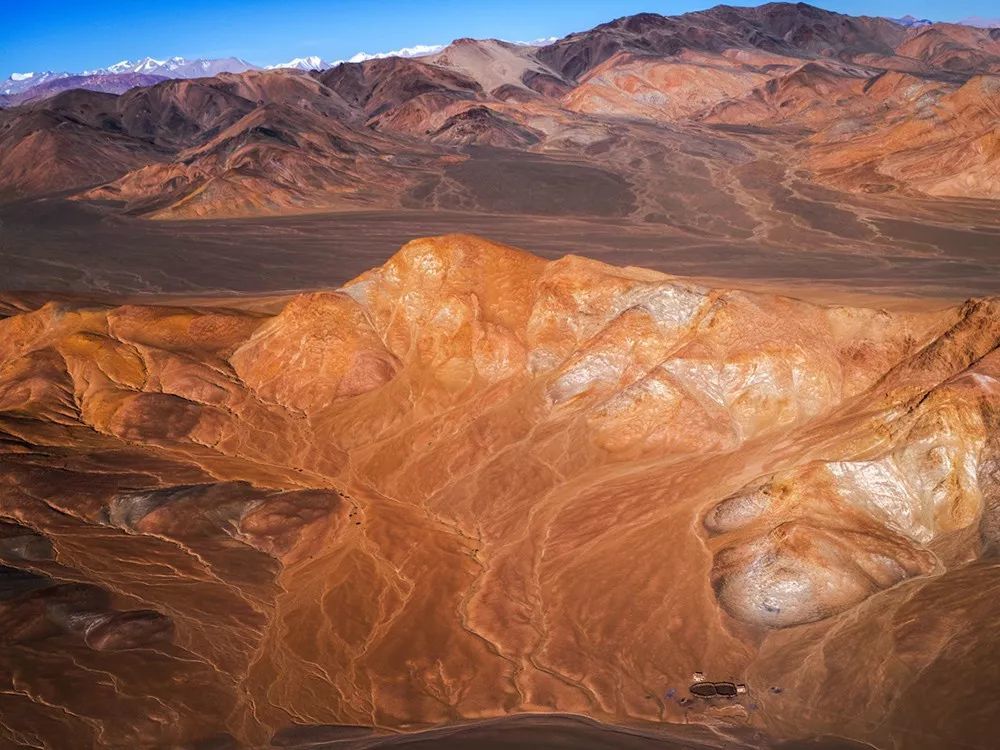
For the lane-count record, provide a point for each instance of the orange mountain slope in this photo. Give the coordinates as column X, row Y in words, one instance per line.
column 473, row 483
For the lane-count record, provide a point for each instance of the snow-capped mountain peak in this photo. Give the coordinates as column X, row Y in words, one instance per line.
column 417, row 50
column 315, row 62
column 145, row 65
column 311, row 62
column 181, row 67
column 19, row 82
column 122, row 66
column 149, row 64
column 911, row 22
column 176, row 67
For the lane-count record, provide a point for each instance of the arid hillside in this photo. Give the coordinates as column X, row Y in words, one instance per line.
column 472, row 483
column 274, row 473
column 580, row 126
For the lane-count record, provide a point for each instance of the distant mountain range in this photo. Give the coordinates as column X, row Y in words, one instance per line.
column 146, row 71
column 109, row 83
column 16, row 88
column 886, row 108
column 312, row 62
column 977, row 21
column 982, row 23
column 19, row 82
column 910, row 22
column 20, row 87
column 178, row 67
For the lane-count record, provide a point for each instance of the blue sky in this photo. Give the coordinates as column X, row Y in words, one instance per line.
column 77, row 35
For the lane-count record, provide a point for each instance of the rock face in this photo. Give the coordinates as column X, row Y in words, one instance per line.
column 865, row 104
column 472, row 483
column 950, row 150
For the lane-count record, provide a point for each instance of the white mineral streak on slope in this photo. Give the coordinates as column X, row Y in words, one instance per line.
column 856, row 526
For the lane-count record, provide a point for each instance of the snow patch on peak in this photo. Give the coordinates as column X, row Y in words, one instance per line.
column 417, row 50
column 310, row 62
column 19, row 82
column 150, row 63
column 119, row 67
column 541, row 42
column 911, row 22
column 176, row 67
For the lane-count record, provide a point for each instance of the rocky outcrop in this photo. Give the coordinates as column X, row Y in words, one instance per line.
column 474, row 482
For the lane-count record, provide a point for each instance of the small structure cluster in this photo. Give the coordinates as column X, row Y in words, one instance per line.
column 703, row 688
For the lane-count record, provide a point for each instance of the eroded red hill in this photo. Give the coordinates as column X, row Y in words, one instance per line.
column 472, row 483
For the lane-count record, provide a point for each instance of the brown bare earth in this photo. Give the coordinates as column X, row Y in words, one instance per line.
column 646, row 117
column 473, row 483
column 814, row 242
column 292, row 456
